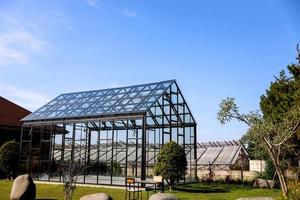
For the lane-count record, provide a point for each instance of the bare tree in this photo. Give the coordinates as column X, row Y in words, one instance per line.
column 70, row 172
column 274, row 136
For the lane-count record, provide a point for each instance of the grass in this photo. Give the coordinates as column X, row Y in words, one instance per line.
column 193, row 191
column 221, row 191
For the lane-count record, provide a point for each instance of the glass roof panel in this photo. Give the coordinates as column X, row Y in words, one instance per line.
column 123, row 100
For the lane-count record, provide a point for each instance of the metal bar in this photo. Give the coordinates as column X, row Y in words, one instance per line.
column 201, row 155
column 126, row 154
column 185, row 102
column 172, row 106
column 98, row 152
column 20, row 150
column 73, row 141
column 87, row 119
column 195, row 151
column 143, row 163
column 30, row 153
column 153, row 117
column 63, row 142
column 150, row 126
column 40, row 153
column 89, row 147
column 170, row 114
column 112, row 154
column 162, row 110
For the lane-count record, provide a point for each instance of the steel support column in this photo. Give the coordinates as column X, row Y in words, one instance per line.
column 20, row 150
column 143, row 163
column 195, row 150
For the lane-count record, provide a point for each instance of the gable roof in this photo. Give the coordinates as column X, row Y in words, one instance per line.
column 11, row 113
column 219, row 153
column 122, row 100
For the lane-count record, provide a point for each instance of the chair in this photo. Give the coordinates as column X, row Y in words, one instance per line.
column 133, row 188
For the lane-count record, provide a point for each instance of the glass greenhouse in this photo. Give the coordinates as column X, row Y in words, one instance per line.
column 115, row 132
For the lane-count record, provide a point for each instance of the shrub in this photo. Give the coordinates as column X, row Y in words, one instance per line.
column 104, row 168
column 294, row 191
column 9, row 152
column 116, row 168
column 171, row 163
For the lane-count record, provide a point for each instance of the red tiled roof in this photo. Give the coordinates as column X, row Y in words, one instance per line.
column 11, row 113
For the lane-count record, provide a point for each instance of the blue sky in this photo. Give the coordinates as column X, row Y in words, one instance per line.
column 213, row 48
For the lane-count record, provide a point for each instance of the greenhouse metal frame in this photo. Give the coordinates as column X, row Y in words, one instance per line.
column 116, row 133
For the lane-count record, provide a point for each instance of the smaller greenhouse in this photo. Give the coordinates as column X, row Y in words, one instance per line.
column 115, row 132
column 224, row 155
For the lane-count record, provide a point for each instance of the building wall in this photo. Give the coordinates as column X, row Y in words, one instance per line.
column 257, row 165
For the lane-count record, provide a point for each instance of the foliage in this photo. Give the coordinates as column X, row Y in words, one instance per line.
column 294, row 191
column 254, row 147
column 228, row 180
column 9, row 152
column 270, row 170
column 274, row 135
column 104, row 168
column 171, row 163
column 71, row 170
column 101, row 167
column 282, row 95
column 269, row 173
column 115, row 168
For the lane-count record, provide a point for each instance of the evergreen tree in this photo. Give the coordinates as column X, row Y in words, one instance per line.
column 9, row 152
column 171, row 163
column 282, row 95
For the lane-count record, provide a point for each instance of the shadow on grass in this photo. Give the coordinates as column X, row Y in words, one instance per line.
column 202, row 188
column 45, row 199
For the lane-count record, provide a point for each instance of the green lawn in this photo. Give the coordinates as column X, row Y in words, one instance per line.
column 194, row 191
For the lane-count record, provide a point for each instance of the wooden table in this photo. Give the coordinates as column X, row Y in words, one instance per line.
column 144, row 184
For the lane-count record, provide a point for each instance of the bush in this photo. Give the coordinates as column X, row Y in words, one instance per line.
column 294, row 191
column 171, row 163
column 269, row 173
column 116, row 168
column 9, row 152
column 104, row 168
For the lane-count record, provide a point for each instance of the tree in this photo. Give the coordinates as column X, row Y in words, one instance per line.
column 171, row 163
column 273, row 135
column 70, row 172
column 280, row 97
column 9, row 152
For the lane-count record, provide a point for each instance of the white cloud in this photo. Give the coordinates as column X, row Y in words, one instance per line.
column 130, row 13
column 60, row 18
column 18, row 43
column 24, row 97
column 115, row 85
column 23, row 36
column 92, row 2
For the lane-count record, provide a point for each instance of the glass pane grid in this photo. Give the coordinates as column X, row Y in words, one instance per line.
column 130, row 99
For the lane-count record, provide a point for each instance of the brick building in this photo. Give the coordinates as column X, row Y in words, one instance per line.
column 10, row 116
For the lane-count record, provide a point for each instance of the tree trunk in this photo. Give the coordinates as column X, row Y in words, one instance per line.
column 171, row 186
column 279, row 171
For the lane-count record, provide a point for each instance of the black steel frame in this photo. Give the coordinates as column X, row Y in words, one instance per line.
column 125, row 143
